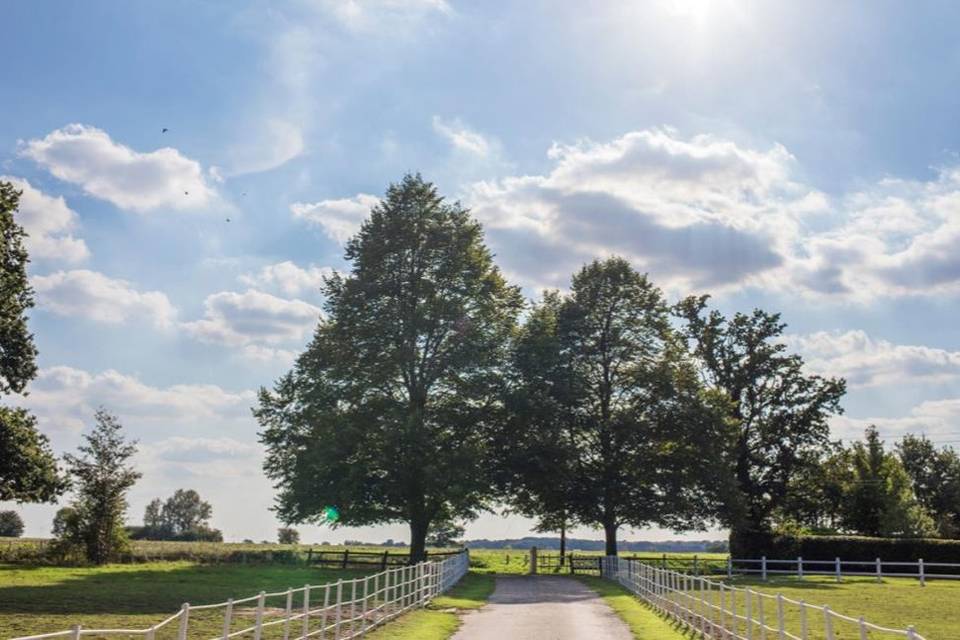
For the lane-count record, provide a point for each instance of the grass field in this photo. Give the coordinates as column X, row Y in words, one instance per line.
column 894, row 603
column 36, row 600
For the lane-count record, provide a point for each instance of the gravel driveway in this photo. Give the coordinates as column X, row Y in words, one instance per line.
column 543, row 608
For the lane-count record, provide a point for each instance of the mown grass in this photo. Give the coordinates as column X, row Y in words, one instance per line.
column 644, row 623
column 43, row 599
column 440, row 620
column 895, row 603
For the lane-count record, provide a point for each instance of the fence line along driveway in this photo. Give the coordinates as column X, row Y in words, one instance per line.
column 344, row 609
column 543, row 607
column 716, row 610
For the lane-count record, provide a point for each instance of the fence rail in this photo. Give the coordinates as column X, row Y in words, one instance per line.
column 713, row 609
column 336, row 611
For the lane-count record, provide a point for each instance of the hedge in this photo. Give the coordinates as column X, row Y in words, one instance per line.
column 782, row 547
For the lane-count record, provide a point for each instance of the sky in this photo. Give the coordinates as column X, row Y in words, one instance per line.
column 191, row 169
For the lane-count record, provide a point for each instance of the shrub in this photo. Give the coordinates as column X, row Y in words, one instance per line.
column 11, row 524
column 862, row 548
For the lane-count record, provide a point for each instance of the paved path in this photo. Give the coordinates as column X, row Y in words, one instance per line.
column 543, row 608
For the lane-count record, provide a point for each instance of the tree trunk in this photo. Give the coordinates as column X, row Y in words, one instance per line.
column 418, row 539
column 610, row 531
column 563, row 540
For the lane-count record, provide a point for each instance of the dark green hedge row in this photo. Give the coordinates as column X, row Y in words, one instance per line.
column 847, row 548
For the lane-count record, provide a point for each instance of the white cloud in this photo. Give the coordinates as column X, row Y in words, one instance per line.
column 365, row 16
column 695, row 213
column 48, row 222
column 90, row 294
column 339, row 219
column 935, row 419
column 66, row 398
column 267, row 147
column 462, row 137
column 253, row 318
column 87, row 156
column 867, row 362
column 288, row 278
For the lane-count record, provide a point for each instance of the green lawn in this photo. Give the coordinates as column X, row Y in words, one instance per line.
column 439, row 620
column 642, row 620
column 894, row 603
column 42, row 599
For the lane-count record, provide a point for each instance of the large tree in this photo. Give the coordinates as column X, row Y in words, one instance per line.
column 880, row 500
column 28, row 470
column 101, row 477
column 935, row 475
column 388, row 413
column 183, row 516
column 629, row 433
column 779, row 413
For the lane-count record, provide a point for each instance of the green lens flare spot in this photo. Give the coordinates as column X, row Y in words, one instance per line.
column 331, row 514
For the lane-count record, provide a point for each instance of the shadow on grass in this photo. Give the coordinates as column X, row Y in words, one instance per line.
column 158, row 588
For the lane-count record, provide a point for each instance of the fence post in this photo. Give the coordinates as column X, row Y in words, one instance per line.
column 803, row 620
column 323, row 615
column 911, row 633
column 763, row 568
column 828, row 623
column 289, row 611
column 75, row 632
column 258, row 625
column 780, row 629
column 800, row 567
column 762, row 619
column 695, row 566
column 748, row 614
column 729, row 567
column 227, row 619
column 339, row 612
column 363, row 609
column 863, row 629
column 184, row 621
column 383, row 563
column 306, row 610
column 839, row 578
column 923, row 577
column 346, row 558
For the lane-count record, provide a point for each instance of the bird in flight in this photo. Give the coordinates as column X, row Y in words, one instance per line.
column 186, row 193
column 228, row 219
column 164, row 130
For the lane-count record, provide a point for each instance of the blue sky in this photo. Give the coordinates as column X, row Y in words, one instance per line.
column 801, row 157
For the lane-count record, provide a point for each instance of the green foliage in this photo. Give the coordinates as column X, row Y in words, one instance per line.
column 846, row 547
column 935, row 475
column 28, row 469
column 779, row 414
column 184, row 516
column 387, row 415
column 18, row 355
column 614, row 428
column 880, row 501
column 444, row 533
column 102, row 477
column 288, row 535
column 11, row 524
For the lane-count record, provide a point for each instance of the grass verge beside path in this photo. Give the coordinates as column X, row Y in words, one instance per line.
column 643, row 621
column 439, row 620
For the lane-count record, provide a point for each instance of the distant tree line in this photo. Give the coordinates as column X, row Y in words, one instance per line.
column 863, row 488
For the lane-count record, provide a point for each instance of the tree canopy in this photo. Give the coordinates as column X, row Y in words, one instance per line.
column 613, row 409
column 387, row 415
column 28, row 469
column 779, row 413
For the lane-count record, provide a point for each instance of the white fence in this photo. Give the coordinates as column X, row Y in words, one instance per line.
column 334, row 611
column 878, row 568
column 716, row 610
